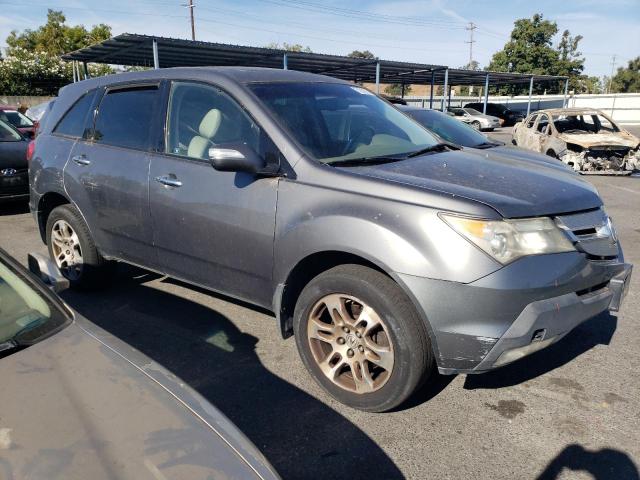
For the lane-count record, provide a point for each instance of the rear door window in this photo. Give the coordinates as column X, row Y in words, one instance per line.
column 73, row 122
column 125, row 117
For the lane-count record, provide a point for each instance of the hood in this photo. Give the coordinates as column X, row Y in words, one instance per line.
column 74, row 407
column 589, row 140
column 513, row 187
column 13, row 154
column 528, row 155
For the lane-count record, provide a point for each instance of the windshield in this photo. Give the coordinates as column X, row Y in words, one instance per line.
column 448, row 128
column 26, row 315
column 584, row 123
column 16, row 119
column 8, row 133
column 338, row 122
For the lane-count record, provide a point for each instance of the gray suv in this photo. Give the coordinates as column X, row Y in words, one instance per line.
column 384, row 251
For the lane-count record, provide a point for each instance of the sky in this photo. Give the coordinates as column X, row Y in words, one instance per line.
column 426, row 31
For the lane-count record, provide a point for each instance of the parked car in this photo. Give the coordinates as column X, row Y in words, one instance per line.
column 23, row 123
column 586, row 139
column 79, row 403
column 451, row 130
column 509, row 117
column 37, row 112
column 474, row 118
column 14, row 178
column 383, row 250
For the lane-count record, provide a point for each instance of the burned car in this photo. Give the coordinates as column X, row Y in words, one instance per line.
column 586, row 139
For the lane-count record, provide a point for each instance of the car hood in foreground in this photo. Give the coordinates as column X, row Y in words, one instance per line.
column 589, row 140
column 528, row 155
column 513, row 187
column 83, row 404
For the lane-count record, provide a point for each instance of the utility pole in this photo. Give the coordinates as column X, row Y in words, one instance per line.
column 190, row 6
column 613, row 66
column 472, row 26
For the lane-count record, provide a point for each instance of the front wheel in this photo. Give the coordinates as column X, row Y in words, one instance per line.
column 361, row 338
column 476, row 125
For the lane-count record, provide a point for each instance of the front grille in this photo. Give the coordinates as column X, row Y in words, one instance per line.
column 591, row 232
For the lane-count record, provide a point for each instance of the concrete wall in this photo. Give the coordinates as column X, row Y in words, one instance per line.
column 27, row 101
column 622, row 107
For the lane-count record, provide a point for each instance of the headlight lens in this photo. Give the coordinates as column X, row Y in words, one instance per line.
column 508, row 240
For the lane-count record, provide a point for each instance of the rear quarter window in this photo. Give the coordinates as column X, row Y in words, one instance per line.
column 125, row 116
column 73, row 122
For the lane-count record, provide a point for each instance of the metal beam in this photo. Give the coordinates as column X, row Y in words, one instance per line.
column 486, row 94
column 378, row 78
column 285, row 61
column 433, row 77
column 156, row 60
column 444, row 89
column 566, row 91
column 530, row 93
column 449, row 100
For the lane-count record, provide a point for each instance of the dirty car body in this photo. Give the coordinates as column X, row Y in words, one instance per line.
column 79, row 403
column 586, row 139
column 337, row 182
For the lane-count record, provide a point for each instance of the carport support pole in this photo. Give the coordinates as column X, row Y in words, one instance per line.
column 486, row 94
column 449, row 100
column 285, row 62
column 566, row 92
column 156, row 61
column 433, row 79
column 530, row 93
column 444, row 90
column 378, row 78
column 86, row 70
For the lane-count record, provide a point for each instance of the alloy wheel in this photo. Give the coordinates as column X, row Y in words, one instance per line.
column 67, row 252
column 350, row 343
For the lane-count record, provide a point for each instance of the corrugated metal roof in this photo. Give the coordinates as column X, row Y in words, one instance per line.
column 136, row 50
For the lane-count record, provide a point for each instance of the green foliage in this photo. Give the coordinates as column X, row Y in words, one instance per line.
column 395, row 89
column 289, row 47
column 362, row 54
column 627, row 80
column 56, row 37
column 530, row 49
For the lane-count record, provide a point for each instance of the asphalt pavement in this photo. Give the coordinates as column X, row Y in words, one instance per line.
column 570, row 411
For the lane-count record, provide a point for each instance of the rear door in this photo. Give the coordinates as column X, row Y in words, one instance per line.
column 107, row 173
column 212, row 228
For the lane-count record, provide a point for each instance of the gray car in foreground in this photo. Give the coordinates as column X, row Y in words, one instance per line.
column 384, row 250
column 78, row 403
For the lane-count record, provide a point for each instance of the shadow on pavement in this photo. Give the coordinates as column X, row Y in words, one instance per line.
column 605, row 464
column 597, row 331
column 299, row 435
column 13, row 207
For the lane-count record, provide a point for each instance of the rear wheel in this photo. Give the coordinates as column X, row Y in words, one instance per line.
column 361, row 338
column 73, row 250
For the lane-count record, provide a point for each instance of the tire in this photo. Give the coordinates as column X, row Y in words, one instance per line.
column 87, row 269
column 401, row 339
column 475, row 124
column 551, row 153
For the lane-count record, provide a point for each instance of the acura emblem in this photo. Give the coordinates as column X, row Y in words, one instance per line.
column 6, row 172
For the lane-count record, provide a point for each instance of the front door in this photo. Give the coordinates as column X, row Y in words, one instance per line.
column 212, row 228
column 107, row 174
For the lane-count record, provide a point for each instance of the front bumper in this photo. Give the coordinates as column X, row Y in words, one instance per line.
column 16, row 186
column 516, row 310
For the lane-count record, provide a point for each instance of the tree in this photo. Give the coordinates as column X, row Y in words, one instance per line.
column 56, row 37
column 530, row 50
column 627, row 80
column 289, row 47
column 362, row 54
column 395, row 89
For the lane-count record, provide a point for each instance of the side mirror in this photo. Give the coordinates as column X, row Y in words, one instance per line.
column 47, row 271
column 237, row 157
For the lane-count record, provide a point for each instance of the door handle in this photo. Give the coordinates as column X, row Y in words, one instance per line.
column 81, row 160
column 169, row 181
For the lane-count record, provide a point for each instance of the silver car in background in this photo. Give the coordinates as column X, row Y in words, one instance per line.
column 77, row 402
column 476, row 119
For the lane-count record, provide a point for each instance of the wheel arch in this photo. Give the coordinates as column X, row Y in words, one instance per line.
column 46, row 204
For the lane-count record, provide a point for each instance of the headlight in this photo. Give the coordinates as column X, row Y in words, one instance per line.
column 508, row 240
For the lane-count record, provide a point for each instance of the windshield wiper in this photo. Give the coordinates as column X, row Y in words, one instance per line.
column 438, row 147
column 352, row 162
column 8, row 347
column 484, row 145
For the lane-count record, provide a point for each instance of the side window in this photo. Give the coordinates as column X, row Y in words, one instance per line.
column 531, row 121
column 73, row 122
column 543, row 123
column 201, row 116
column 125, row 116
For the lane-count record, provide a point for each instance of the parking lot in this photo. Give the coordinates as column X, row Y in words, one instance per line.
column 573, row 406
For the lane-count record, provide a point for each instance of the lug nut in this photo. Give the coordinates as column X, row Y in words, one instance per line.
column 349, row 353
column 358, row 334
column 340, row 341
column 345, row 329
column 361, row 348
